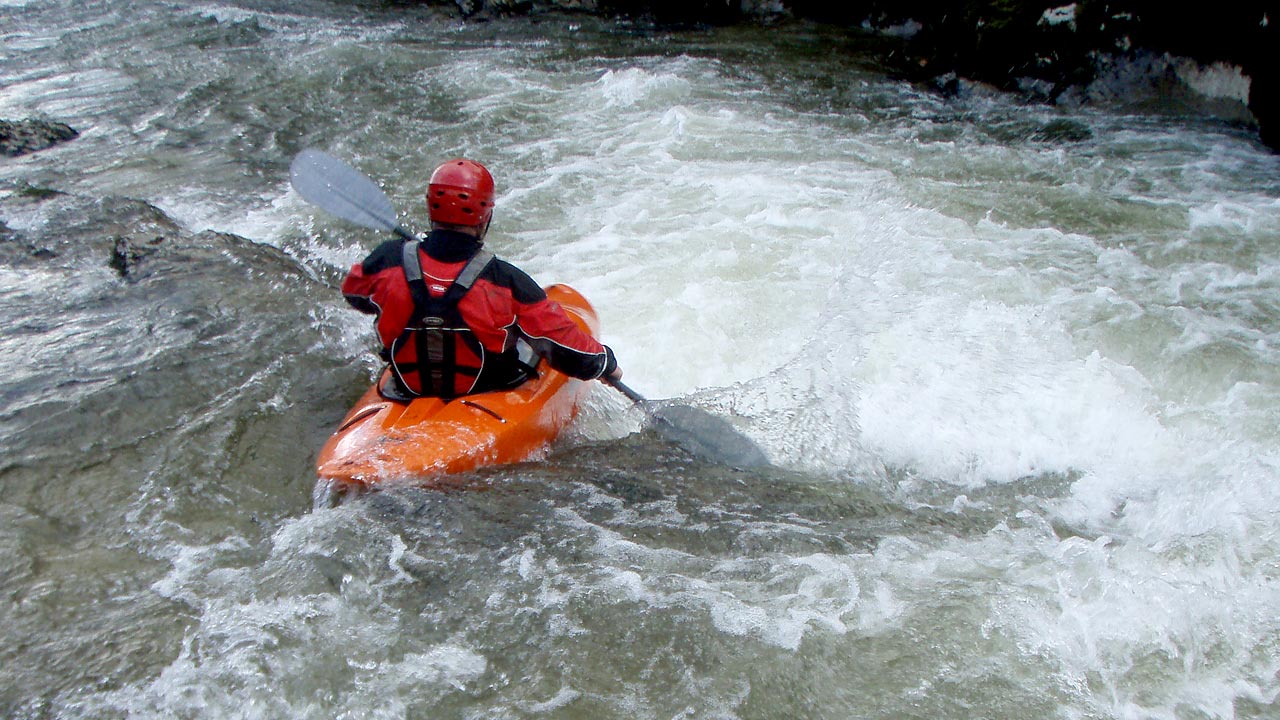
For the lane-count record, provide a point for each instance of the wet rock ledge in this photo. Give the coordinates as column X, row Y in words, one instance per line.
column 1217, row 58
column 27, row 136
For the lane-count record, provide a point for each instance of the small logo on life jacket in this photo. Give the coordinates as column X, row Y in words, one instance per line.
column 437, row 288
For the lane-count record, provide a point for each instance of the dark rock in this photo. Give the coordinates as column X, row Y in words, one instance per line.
column 35, row 192
column 27, row 136
column 1263, row 97
column 682, row 12
column 1134, row 52
column 1160, row 83
column 1062, row 131
column 128, row 252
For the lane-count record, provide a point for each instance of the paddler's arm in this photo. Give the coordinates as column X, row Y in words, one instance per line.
column 556, row 337
column 552, row 333
column 360, row 284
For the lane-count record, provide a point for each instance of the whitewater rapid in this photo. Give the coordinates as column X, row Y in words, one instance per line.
column 1015, row 366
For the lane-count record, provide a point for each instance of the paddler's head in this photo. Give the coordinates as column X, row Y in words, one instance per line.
column 460, row 197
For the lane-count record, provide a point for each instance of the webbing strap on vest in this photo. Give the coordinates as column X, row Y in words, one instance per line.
column 437, row 343
column 413, row 269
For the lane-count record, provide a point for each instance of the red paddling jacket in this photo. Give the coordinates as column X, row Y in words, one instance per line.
column 453, row 318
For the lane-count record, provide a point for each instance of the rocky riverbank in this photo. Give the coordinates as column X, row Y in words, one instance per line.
column 1216, row 60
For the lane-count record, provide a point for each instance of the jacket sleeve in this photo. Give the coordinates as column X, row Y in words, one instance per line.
column 550, row 330
column 556, row 337
column 359, row 286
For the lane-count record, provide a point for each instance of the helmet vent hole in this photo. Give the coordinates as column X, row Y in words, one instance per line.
column 463, row 196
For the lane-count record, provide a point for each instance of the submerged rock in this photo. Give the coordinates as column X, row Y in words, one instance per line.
column 27, row 136
column 133, row 238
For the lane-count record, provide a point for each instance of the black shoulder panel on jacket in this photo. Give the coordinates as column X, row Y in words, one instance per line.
column 523, row 288
column 363, row 304
column 386, row 255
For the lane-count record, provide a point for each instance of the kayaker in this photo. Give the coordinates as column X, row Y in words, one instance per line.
column 455, row 320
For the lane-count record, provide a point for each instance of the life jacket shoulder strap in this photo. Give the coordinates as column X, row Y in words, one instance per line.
column 422, row 300
column 471, row 272
column 435, row 325
column 413, row 274
column 466, row 278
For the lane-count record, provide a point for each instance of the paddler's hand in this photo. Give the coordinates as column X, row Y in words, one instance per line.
column 611, row 369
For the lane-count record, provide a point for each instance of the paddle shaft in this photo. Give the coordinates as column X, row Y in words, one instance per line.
column 697, row 431
column 632, row 395
column 640, row 401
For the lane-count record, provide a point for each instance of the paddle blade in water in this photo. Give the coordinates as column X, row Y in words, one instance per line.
column 341, row 190
column 707, row 436
column 698, row 431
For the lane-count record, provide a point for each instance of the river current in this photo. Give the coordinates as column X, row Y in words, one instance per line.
column 1017, row 370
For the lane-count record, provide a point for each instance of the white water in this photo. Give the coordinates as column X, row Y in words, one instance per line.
column 1063, row 355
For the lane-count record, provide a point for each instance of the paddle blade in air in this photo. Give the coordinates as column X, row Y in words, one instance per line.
column 341, row 190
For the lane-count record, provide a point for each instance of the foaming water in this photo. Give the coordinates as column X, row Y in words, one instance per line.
column 1016, row 369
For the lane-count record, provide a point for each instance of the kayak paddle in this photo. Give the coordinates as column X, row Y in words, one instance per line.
column 341, row 190
column 704, row 435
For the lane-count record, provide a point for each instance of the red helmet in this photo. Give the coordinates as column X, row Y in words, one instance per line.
column 460, row 193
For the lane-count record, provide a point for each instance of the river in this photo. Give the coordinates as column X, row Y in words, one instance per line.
column 1017, row 370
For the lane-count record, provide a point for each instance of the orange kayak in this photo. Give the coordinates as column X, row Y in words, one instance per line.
column 420, row 441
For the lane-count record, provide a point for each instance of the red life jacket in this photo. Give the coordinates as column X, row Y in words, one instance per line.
column 505, row 313
column 437, row 355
